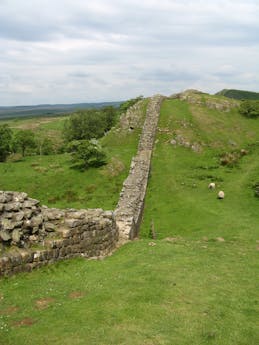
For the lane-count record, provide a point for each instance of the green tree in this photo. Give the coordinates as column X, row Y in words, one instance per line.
column 44, row 146
column 109, row 113
column 84, row 125
column 5, row 141
column 87, row 153
column 24, row 139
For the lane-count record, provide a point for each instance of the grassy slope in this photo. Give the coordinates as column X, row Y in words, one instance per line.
column 51, row 179
column 186, row 289
column 178, row 199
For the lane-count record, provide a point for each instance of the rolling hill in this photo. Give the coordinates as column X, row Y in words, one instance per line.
column 239, row 94
column 49, row 109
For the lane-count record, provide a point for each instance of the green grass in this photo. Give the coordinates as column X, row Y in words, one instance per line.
column 197, row 284
column 175, row 292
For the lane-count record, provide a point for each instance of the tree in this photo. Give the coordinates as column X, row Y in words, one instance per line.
column 24, row 139
column 44, row 146
column 109, row 114
column 84, row 125
column 5, row 141
column 87, row 153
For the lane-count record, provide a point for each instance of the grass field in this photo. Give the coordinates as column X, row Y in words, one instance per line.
column 196, row 284
column 175, row 292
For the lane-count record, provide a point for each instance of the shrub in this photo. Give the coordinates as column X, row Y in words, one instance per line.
column 249, row 109
column 87, row 153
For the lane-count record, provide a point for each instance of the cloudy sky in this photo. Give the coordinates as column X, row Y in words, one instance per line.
column 69, row 51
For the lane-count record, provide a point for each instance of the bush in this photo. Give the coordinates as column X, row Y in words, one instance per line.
column 87, row 153
column 249, row 109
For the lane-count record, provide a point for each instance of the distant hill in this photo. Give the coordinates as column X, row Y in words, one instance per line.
column 238, row 94
column 49, row 109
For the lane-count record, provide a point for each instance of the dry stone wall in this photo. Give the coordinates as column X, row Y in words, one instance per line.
column 87, row 233
column 37, row 235
column 130, row 207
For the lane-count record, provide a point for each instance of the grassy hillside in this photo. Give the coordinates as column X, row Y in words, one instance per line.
column 51, row 179
column 239, row 94
column 196, row 284
column 178, row 200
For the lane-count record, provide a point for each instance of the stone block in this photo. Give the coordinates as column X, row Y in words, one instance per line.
column 5, row 235
column 72, row 223
column 13, row 206
column 49, row 227
column 18, row 216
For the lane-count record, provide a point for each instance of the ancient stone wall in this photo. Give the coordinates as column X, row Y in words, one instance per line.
column 37, row 235
column 130, row 206
column 87, row 233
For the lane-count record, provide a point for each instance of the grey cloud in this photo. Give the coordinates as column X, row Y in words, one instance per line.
column 169, row 75
column 118, row 49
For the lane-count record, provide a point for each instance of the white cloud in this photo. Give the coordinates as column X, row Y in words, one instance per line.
column 71, row 51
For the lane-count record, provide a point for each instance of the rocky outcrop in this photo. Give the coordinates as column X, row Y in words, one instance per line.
column 203, row 99
column 130, row 207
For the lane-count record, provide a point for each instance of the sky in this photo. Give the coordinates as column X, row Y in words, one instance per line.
column 71, row 51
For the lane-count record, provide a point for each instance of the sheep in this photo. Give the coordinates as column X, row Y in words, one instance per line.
column 221, row 195
column 212, row 185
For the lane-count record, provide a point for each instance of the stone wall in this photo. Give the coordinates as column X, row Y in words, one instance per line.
column 130, row 206
column 87, row 233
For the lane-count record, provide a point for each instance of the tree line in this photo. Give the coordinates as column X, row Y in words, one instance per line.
column 80, row 135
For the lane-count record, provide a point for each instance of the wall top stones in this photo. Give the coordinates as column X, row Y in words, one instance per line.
column 130, row 206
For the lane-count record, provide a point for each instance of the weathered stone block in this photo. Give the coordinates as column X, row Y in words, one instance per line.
column 49, row 227
column 18, row 216
column 77, row 215
column 16, row 235
column 36, row 221
column 72, row 223
column 14, row 206
column 5, row 235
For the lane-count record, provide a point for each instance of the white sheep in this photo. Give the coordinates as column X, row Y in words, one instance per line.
column 212, row 185
column 221, row 195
